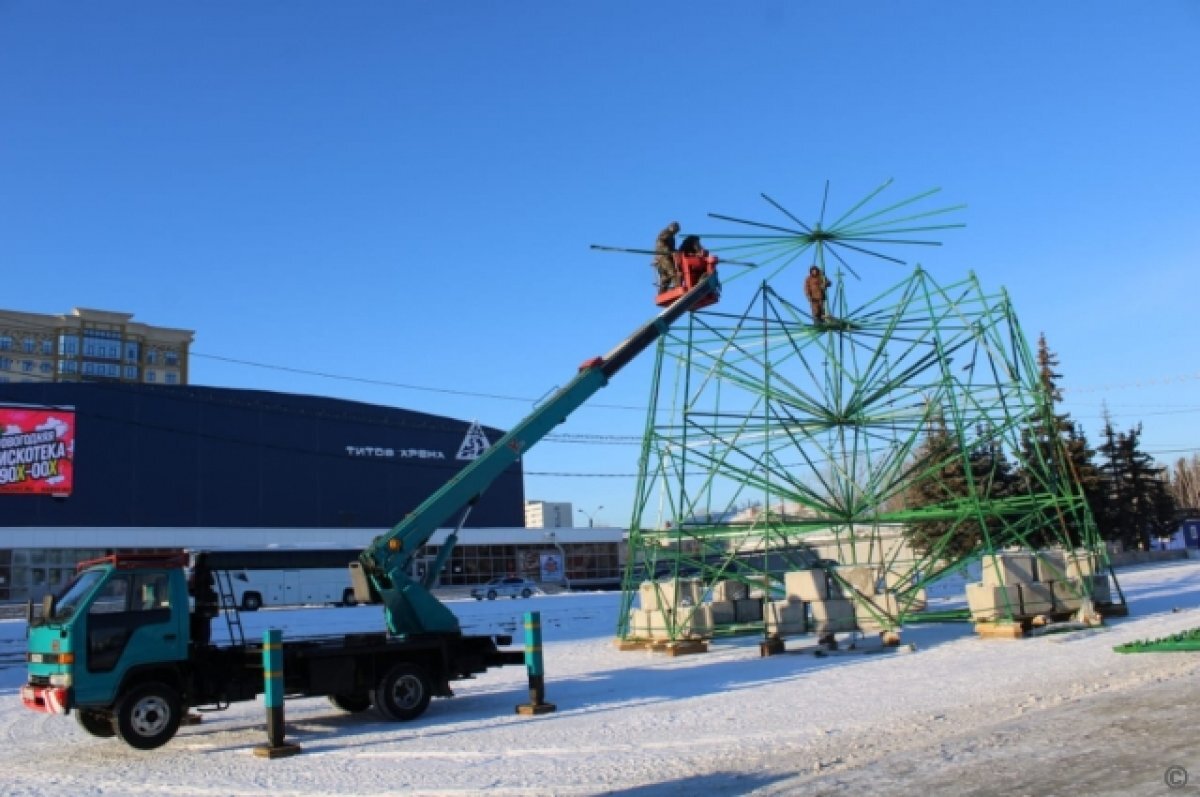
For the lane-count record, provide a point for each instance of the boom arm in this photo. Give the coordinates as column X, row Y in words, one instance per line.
column 409, row 606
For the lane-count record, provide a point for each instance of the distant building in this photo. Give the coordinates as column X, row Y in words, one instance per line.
column 90, row 346
column 548, row 515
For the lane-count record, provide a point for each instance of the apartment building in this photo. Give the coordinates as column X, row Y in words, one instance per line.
column 90, row 346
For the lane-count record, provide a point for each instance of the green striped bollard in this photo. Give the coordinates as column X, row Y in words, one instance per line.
column 533, row 665
column 275, row 747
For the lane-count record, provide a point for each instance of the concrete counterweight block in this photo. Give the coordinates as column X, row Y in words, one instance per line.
column 1037, row 597
column 1067, row 596
column 1101, row 588
column 1080, row 564
column 723, row 612
column 990, row 602
column 639, row 624
column 1052, row 565
column 786, row 618
column 670, row 593
column 701, row 621
column 748, row 610
column 1008, row 569
column 729, row 590
column 878, row 612
column 862, row 578
column 810, row 585
column 831, row 615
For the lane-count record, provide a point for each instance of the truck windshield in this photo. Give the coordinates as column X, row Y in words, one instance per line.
column 75, row 593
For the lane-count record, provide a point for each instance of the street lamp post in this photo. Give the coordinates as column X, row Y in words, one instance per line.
column 589, row 516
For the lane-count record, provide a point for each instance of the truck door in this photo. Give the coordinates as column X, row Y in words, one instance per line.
column 135, row 618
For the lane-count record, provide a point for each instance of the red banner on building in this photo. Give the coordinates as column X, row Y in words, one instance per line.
column 37, row 449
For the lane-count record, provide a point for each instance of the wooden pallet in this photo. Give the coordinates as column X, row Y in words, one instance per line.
column 1001, row 630
column 678, row 647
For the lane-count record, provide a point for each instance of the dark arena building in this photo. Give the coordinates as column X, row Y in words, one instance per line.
column 89, row 467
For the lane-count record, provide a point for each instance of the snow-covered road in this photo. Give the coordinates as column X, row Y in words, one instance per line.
column 1049, row 715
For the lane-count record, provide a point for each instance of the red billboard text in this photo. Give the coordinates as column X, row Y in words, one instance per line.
column 37, row 450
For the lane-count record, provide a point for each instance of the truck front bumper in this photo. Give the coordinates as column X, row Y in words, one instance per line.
column 46, row 699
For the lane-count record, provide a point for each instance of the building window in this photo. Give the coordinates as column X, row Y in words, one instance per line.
column 5, row 343
column 102, row 343
column 68, row 345
column 29, row 345
column 171, row 378
column 47, row 347
column 171, row 359
column 5, row 363
column 131, row 372
column 131, row 351
column 151, row 357
column 27, row 366
column 45, row 367
column 151, row 376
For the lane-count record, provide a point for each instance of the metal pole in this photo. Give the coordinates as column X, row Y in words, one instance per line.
column 533, row 665
column 276, row 747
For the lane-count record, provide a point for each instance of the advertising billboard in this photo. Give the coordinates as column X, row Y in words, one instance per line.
column 37, row 449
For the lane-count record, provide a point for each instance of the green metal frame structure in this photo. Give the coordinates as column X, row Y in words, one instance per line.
column 771, row 438
column 1183, row 642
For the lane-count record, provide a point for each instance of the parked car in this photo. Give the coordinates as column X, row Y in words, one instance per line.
column 498, row 587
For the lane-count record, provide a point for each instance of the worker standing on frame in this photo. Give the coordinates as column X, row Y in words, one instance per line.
column 815, row 286
column 664, row 257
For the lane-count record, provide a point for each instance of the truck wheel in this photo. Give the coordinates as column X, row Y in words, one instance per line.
column 97, row 723
column 251, row 602
column 525, row 593
column 348, row 598
column 148, row 716
column 404, row 693
column 491, row 594
column 351, row 703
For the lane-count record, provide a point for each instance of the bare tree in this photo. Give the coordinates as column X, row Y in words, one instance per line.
column 1183, row 481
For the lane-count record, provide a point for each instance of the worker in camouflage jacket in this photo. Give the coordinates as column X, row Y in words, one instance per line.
column 664, row 260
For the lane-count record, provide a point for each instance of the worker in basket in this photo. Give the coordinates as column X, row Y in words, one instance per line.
column 664, row 257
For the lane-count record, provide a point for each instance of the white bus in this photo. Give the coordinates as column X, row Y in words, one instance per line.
column 285, row 576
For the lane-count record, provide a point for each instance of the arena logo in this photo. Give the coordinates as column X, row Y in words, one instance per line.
column 474, row 444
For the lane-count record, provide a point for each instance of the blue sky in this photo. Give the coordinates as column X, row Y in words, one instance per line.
column 404, row 193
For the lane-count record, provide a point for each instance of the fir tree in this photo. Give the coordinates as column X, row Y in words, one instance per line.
column 1138, row 505
column 947, row 486
column 1056, row 457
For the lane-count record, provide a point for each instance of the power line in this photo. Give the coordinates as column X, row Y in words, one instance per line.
column 400, row 385
column 362, row 379
column 20, row 326
column 1157, row 382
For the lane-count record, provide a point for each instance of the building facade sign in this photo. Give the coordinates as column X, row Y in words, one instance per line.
column 379, row 452
column 37, row 450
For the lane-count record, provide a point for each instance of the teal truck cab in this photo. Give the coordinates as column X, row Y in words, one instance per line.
column 127, row 646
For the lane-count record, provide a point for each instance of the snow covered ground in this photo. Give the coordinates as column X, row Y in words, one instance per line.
column 1056, row 714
